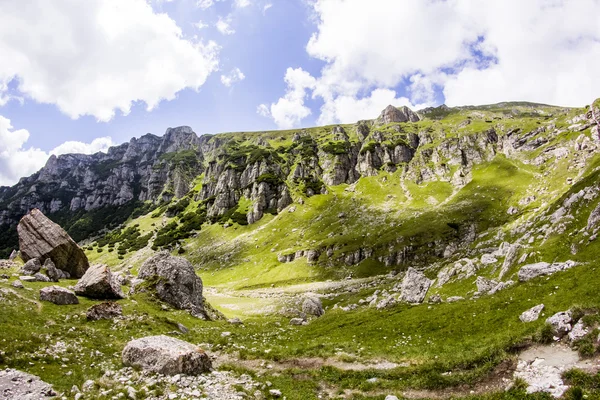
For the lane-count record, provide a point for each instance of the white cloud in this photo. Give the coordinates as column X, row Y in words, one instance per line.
column 267, row 7
column 236, row 75
column 200, row 25
column 17, row 160
column 289, row 110
column 242, row 3
column 204, row 4
column 223, row 25
column 92, row 58
column 471, row 51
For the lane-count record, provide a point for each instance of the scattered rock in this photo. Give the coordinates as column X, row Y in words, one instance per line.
column 560, row 323
column 58, row 295
column 454, row 299
column 387, row 302
column 312, row 306
column 297, row 321
column 579, row 330
column 19, row 385
column 175, row 282
column 485, row 285
column 41, row 238
column 275, row 392
column 99, row 283
column 54, row 273
column 414, row 286
column 235, row 321
column 531, row 271
column 532, row 314
column 487, row 259
column 107, row 310
column 41, row 277
column 18, row 284
column 166, row 355
column 31, row 267
column 512, row 210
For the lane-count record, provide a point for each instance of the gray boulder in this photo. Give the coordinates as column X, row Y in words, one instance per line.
column 393, row 114
column 166, row 355
column 532, row 314
column 485, row 285
column 20, row 385
column 99, row 283
column 106, row 310
column 41, row 277
column 297, row 321
column 579, row 330
column 531, row 271
column 18, row 284
column 312, row 306
column 175, row 282
column 52, row 272
column 560, row 323
column 58, row 295
column 41, row 238
column 31, row 267
column 414, row 286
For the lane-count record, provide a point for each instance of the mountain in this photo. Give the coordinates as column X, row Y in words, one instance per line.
column 447, row 252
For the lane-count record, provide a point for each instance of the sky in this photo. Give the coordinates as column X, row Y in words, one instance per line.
column 79, row 76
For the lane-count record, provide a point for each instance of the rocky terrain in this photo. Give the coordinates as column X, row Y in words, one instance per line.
column 447, row 252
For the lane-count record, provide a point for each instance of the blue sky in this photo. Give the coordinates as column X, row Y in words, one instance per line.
column 80, row 77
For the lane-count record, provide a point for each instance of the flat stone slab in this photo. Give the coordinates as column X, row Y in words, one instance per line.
column 20, row 385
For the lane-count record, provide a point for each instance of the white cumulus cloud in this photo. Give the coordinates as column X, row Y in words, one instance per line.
column 242, row 3
column 18, row 160
column 223, row 25
column 235, row 76
column 92, row 58
column 470, row 51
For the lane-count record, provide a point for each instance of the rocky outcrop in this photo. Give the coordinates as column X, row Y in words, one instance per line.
column 42, row 239
column 58, row 295
column 531, row 271
column 560, row 323
column 107, row 310
column 414, row 286
column 99, row 283
column 175, row 282
column 166, row 355
column 392, row 114
column 20, row 385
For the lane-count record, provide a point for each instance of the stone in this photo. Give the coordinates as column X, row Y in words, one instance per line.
column 58, row 295
column 166, row 355
column 31, row 267
column 512, row 210
column 487, row 259
column 99, row 283
column 275, row 392
column 106, row 310
column 312, row 256
column 454, row 299
column 579, row 331
column 20, row 385
column 54, row 273
column 297, row 321
column 175, row 282
column 18, row 284
column 27, row 278
column 390, row 397
column 41, row 277
column 560, row 323
column 414, row 286
column 531, row 271
column 485, row 285
column 312, row 306
column 14, row 254
column 41, row 238
column 235, row 321
column 532, row 314
column 387, row 302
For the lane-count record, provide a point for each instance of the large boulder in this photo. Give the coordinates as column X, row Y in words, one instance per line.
column 166, row 355
column 531, row 271
column 41, row 238
column 99, row 283
column 58, row 295
column 20, row 385
column 393, row 114
column 414, row 286
column 312, row 306
column 175, row 282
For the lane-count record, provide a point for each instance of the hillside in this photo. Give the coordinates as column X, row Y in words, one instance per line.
column 465, row 196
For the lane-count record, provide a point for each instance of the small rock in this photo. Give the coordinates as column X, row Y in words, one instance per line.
column 58, row 295
column 297, row 321
column 532, row 314
column 18, row 284
column 275, row 392
column 235, row 321
column 560, row 323
column 312, row 306
column 41, row 277
column 107, row 310
column 579, row 330
column 31, row 267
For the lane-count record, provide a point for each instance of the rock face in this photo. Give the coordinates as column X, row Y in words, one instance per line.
column 175, row 282
column 41, row 238
column 99, row 283
column 312, row 306
column 531, row 271
column 58, row 295
column 532, row 314
column 393, row 114
column 107, row 310
column 166, row 355
column 23, row 386
column 414, row 286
